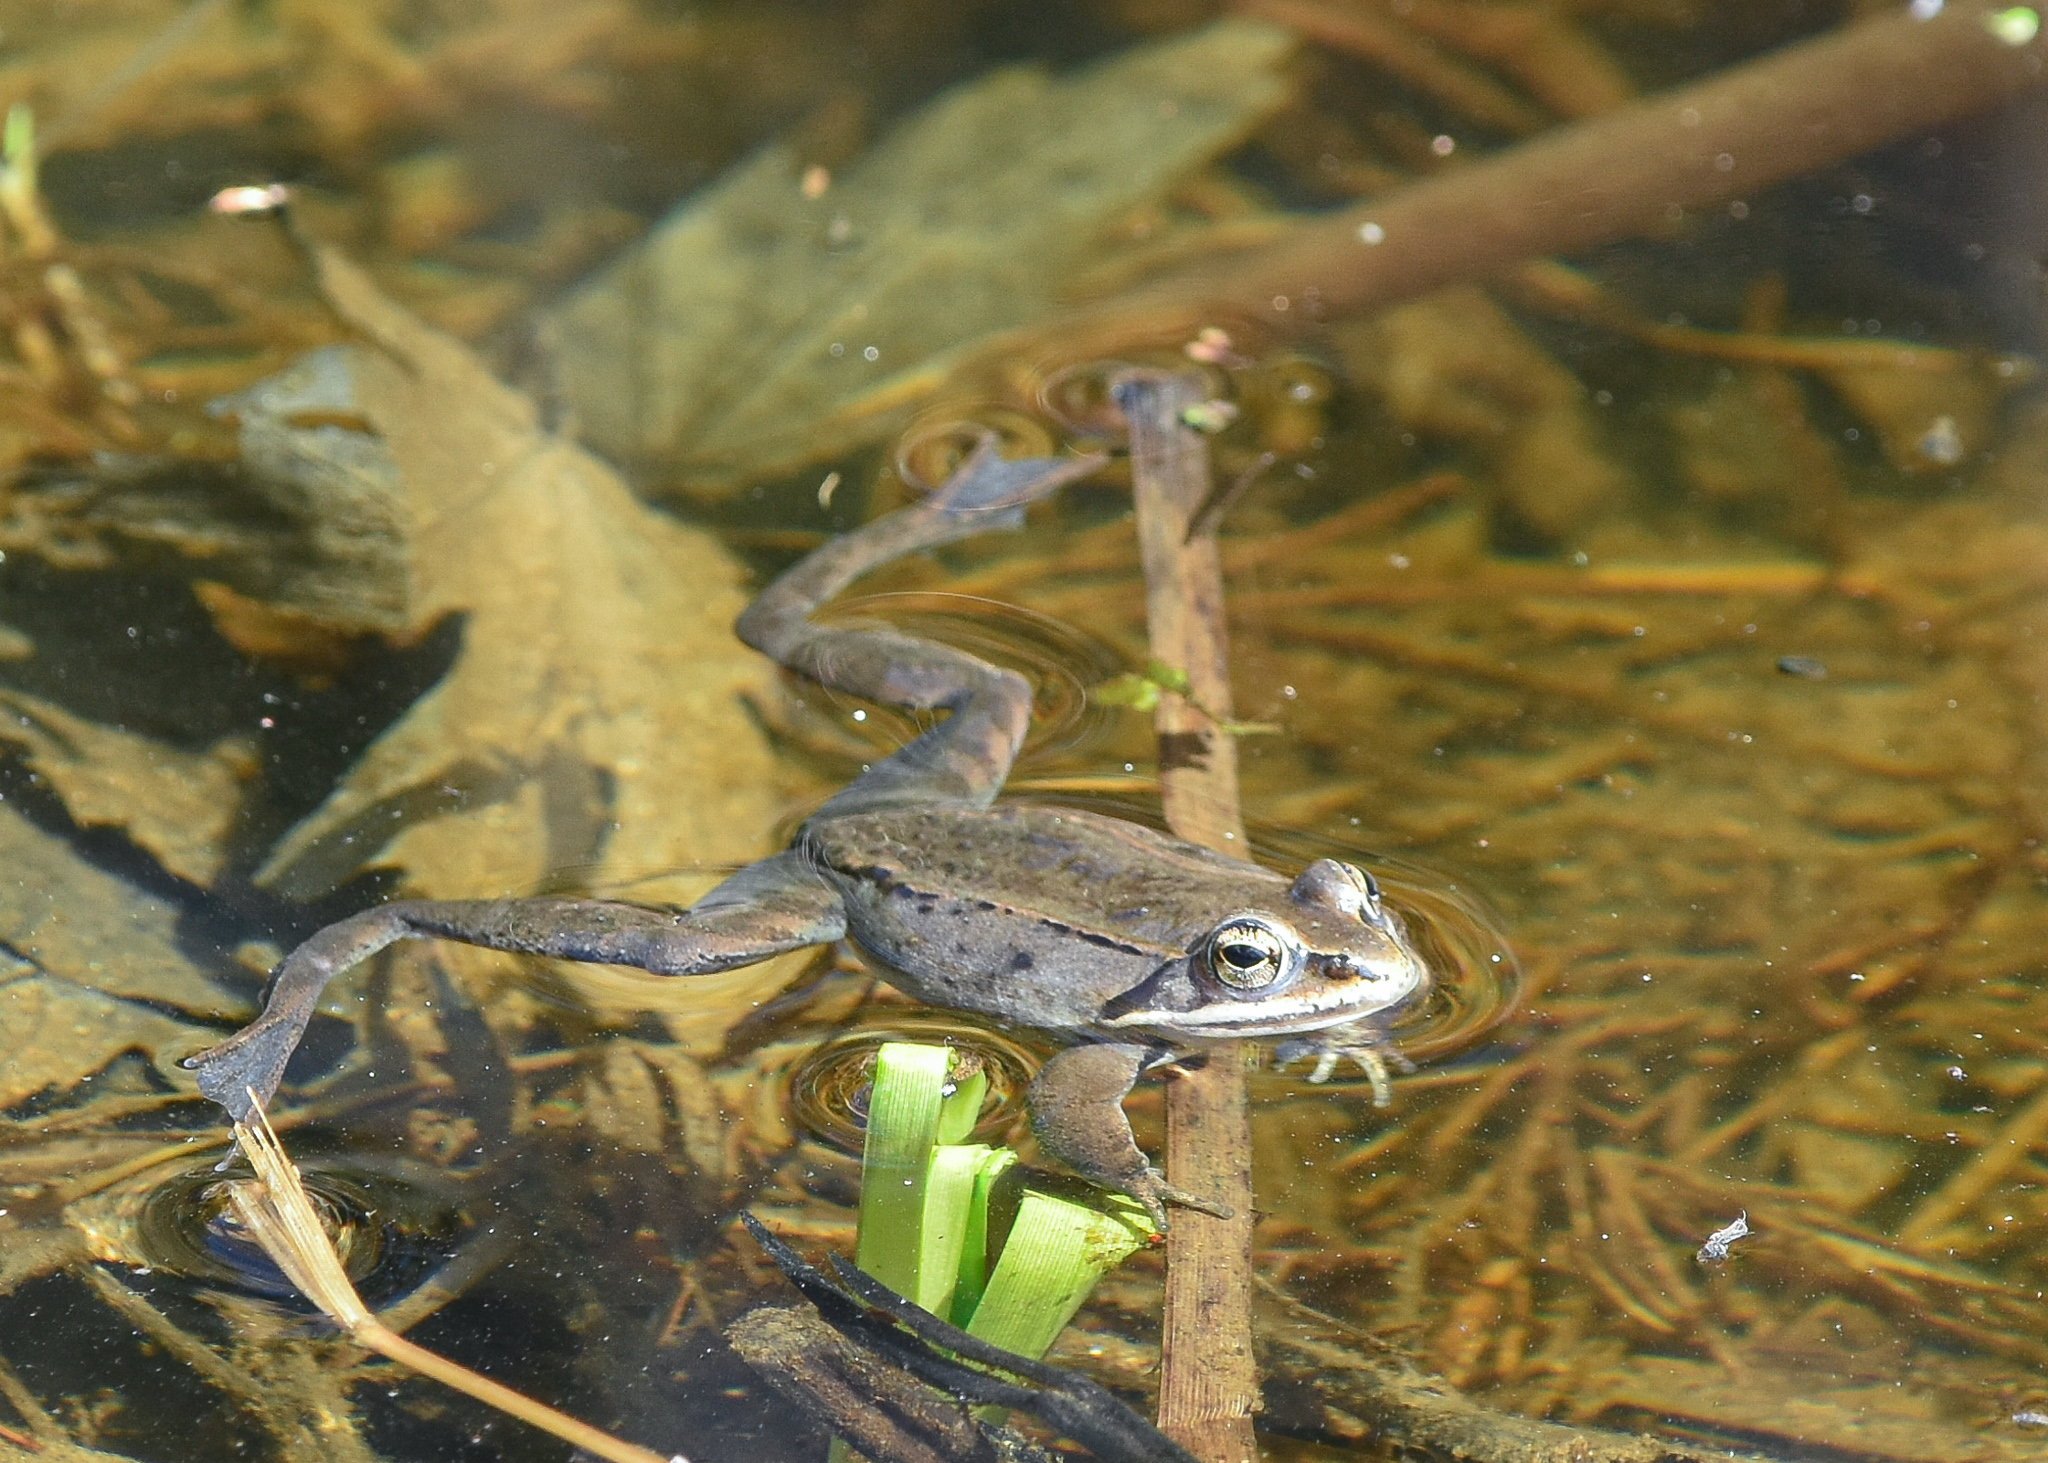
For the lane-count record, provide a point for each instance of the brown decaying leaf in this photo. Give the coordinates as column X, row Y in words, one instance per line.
column 180, row 806
column 311, row 648
column 58, row 1033
column 594, row 715
column 75, row 922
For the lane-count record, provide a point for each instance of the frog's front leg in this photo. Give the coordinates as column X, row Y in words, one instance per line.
column 1365, row 1043
column 778, row 904
column 1077, row 1111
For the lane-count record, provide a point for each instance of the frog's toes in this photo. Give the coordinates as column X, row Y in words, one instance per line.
column 1373, row 1060
column 988, row 482
column 1155, row 1193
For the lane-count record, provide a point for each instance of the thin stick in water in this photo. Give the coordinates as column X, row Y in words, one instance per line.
column 1209, row 1388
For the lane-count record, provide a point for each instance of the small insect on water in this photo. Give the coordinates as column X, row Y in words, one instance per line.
column 1715, row 1250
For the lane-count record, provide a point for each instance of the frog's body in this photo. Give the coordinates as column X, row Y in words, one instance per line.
column 1135, row 944
column 1063, row 919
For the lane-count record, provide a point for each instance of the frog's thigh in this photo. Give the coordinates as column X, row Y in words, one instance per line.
column 766, row 908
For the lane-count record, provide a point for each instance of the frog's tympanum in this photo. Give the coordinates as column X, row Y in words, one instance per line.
column 1134, row 946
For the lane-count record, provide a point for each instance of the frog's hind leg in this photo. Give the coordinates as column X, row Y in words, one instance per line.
column 766, row 908
column 965, row 758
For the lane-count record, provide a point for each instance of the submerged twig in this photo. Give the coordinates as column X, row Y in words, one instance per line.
column 870, row 1374
column 1390, row 44
column 862, row 1397
column 1209, row 1388
column 276, row 1212
column 180, row 29
column 1382, row 1394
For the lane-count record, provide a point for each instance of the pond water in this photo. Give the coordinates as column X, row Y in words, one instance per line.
column 1665, row 621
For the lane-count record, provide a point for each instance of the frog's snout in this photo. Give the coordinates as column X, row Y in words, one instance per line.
column 1387, row 976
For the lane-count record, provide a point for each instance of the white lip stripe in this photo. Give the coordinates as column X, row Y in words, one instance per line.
column 1277, row 1014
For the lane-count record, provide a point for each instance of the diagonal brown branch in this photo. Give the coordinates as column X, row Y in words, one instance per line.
column 1635, row 171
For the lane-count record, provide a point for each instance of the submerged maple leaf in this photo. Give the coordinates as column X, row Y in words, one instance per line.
column 594, row 714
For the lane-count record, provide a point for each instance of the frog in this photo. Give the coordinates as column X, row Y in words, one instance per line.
column 1129, row 947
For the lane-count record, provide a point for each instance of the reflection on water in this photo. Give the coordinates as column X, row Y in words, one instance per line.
column 1680, row 614
column 829, row 1093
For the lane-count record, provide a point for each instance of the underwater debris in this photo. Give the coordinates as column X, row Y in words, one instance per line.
column 594, row 714
column 1717, row 1248
column 758, row 329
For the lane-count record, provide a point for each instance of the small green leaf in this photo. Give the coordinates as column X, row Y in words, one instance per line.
column 18, row 141
column 1142, row 693
column 1129, row 690
column 2015, row 27
column 1056, row 1251
column 961, row 1108
column 1169, row 678
column 904, row 1105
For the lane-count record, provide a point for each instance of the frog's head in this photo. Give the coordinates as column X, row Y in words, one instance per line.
column 1330, row 952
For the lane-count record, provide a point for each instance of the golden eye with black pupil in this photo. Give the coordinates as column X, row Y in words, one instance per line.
column 1247, row 955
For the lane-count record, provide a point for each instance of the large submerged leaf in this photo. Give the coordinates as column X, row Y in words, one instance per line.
column 757, row 329
column 90, row 968
column 594, row 715
column 59, row 1034
column 179, row 805
column 71, row 919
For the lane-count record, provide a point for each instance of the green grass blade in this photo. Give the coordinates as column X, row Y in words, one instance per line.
column 974, row 1252
column 1056, row 1251
column 948, row 1223
column 903, row 1120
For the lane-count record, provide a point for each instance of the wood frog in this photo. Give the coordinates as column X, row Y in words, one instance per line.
column 1134, row 946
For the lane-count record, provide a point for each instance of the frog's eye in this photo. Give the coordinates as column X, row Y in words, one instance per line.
column 1248, row 954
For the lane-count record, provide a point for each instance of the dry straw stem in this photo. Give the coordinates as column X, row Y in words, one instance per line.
column 1633, row 171
column 274, row 1208
column 1210, row 1384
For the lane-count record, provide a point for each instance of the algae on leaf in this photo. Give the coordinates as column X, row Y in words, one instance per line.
column 594, row 714
column 758, row 329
